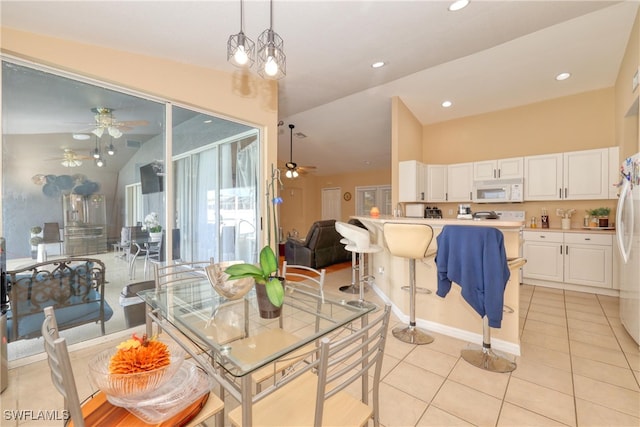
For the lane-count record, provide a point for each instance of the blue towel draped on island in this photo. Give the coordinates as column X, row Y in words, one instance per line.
column 475, row 258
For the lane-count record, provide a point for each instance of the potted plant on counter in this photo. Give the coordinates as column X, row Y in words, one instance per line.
column 602, row 214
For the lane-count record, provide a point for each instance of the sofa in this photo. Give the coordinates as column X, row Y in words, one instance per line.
column 73, row 286
column 319, row 249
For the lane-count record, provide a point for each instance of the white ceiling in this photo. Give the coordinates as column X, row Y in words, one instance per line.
column 489, row 56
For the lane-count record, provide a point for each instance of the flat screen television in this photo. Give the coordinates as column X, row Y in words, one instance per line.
column 150, row 181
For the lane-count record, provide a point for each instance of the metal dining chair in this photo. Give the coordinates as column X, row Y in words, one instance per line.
column 303, row 276
column 98, row 411
column 314, row 394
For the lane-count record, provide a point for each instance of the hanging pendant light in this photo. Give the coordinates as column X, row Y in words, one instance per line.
column 271, row 58
column 240, row 48
column 111, row 150
column 96, row 151
column 292, row 168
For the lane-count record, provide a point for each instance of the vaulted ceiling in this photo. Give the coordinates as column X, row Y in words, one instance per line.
column 489, row 56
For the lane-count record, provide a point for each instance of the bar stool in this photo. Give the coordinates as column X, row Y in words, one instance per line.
column 475, row 258
column 410, row 241
column 359, row 244
column 352, row 288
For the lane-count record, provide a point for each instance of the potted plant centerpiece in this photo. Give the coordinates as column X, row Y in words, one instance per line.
column 269, row 287
column 152, row 225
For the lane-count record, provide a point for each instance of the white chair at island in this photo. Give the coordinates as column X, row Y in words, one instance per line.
column 410, row 241
column 358, row 242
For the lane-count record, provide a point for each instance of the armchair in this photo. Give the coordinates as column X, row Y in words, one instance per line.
column 319, row 249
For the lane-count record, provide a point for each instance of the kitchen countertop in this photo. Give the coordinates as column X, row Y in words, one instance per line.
column 572, row 230
column 452, row 315
column 441, row 222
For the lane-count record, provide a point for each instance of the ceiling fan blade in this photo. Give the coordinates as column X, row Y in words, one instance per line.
column 132, row 123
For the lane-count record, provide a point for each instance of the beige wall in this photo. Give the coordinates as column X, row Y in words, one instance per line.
column 577, row 122
column 302, row 203
column 627, row 126
column 246, row 98
column 406, row 140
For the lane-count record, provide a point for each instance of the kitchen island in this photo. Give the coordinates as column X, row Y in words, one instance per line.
column 451, row 315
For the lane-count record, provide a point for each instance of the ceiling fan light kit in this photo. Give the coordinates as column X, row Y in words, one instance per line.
column 270, row 55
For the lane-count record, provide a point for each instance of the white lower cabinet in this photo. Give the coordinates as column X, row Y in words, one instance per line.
column 582, row 259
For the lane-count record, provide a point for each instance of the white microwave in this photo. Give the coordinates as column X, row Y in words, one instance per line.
column 499, row 191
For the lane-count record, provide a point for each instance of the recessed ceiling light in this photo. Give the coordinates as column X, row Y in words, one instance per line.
column 447, row 104
column 563, row 76
column 378, row 64
column 208, row 121
column 458, row 4
column 81, row 136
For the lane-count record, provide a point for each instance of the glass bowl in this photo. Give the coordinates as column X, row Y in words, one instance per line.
column 230, row 289
column 136, row 384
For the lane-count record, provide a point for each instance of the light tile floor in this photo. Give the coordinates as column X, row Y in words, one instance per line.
column 579, row 367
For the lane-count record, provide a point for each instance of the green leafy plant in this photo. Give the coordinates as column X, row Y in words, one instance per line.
column 600, row 212
column 36, row 229
column 36, row 240
column 263, row 275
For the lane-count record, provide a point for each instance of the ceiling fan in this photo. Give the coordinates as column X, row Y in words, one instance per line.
column 71, row 159
column 105, row 121
column 293, row 170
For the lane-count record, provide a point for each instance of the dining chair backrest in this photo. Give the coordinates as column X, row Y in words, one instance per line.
column 302, row 276
column 174, row 272
column 313, row 393
column 345, row 360
column 169, row 273
column 51, row 233
column 60, row 366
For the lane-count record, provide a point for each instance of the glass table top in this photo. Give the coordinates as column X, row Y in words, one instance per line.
column 238, row 339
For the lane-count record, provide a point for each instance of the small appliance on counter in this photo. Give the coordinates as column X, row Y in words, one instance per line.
column 432, row 212
column 485, row 215
column 464, row 212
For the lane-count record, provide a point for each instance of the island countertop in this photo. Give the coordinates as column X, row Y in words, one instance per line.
column 451, row 315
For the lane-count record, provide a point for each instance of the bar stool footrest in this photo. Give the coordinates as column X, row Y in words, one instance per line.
column 352, row 289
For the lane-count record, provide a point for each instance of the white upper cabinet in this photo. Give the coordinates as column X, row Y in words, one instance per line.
column 459, row 182
column 543, row 177
column 586, row 174
column 498, row 169
column 412, row 176
column 437, row 183
column 576, row 175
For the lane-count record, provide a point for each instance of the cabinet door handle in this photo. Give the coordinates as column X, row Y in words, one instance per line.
column 470, row 195
column 566, row 251
column 446, row 196
column 422, row 196
column 587, row 238
column 560, row 249
column 543, row 237
column 565, row 192
column 559, row 193
column 494, row 173
column 498, row 173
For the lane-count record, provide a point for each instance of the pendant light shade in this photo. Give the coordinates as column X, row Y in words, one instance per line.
column 292, row 168
column 240, row 48
column 271, row 58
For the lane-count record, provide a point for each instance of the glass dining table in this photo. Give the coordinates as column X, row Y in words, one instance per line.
column 238, row 348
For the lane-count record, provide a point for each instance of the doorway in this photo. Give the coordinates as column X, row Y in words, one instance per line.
column 331, row 207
